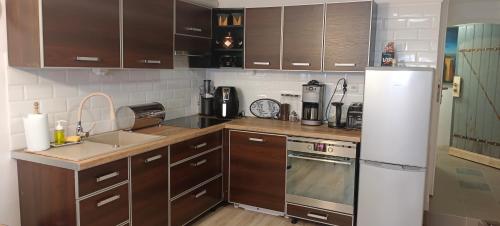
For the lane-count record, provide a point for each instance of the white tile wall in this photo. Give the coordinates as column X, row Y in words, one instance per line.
column 60, row 91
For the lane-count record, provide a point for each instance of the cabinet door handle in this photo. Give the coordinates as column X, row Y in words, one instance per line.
column 196, row 164
column 107, row 176
column 301, row 64
column 262, row 63
column 150, row 61
column 196, row 147
column 194, row 29
column 202, row 193
column 154, row 158
column 318, row 216
column 87, row 59
column 345, row 65
column 256, row 140
column 108, row 200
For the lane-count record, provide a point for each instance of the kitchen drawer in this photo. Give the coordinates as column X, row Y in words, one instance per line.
column 105, row 209
column 322, row 216
column 191, row 205
column 191, row 173
column 195, row 146
column 99, row 177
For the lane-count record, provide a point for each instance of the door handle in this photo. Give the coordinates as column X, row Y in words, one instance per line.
column 108, row 200
column 318, row 216
column 194, row 29
column 150, row 61
column 199, row 163
column 345, row 65
column 107, row 176
column 196, row 147
column 202, row 193
column 301, row 64
column 262, row 63
column 154, row 158
column 259, row 140
column 87, row 59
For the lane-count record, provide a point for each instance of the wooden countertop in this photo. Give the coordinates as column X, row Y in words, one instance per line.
column 174, row 135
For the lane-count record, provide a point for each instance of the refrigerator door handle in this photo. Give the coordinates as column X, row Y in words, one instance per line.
column 393, row 166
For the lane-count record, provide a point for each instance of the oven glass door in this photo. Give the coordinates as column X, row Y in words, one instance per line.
column 321, row 181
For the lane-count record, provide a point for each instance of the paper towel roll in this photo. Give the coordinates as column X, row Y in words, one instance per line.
column 36, row 130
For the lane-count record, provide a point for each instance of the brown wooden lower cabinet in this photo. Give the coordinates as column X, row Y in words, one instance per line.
column 317, row 215
column 150, row 188
column 108, row 208
column 193, row 172
column 193, row 204
column 257, row 170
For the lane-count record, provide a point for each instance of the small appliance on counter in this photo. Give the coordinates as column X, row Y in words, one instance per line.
column 335, row 117
column 140, row 116
column 207, row 98
column 226, row 103
column 355, row 115
column 312, row 103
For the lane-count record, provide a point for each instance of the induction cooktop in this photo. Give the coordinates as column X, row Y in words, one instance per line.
column 195, row 122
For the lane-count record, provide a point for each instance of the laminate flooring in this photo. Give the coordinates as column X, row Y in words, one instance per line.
column 230, row 216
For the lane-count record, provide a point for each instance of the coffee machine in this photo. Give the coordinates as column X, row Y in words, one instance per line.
column 312, row 103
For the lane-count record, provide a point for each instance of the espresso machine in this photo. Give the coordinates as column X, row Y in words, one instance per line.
column 312, row 103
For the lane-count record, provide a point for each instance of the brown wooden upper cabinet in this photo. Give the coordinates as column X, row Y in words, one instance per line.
column 192, row 19
column 263, row 38
column 347, row 36
column 148, row 34
column 303, row 37
column 76, row 33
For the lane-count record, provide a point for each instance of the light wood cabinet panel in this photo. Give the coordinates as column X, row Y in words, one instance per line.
column 263, row 38
column 347, row 36
column 303, row 37
column 148, row 29
column 257, row 170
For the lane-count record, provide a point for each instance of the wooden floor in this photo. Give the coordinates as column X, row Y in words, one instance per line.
column 230, row 216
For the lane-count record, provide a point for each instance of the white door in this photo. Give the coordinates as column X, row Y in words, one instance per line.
column 390, row 195
column 396, row 116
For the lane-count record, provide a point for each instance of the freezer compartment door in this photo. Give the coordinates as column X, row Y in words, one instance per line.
column 396, row 116
column 390, row 195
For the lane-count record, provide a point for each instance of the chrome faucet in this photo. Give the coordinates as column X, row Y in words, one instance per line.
column 112, row 114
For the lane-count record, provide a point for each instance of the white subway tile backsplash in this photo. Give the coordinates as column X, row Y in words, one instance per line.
column 63, row 90
column 53, row 105
column 20, row 108
column 16, row 76
column 37, row 92
column 16, row 93
column 52, row 76
column 405, row 34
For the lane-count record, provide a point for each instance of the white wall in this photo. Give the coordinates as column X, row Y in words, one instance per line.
column 9, row 201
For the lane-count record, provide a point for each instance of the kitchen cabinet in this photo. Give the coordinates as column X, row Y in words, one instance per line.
column 149, row 175
column 195, row 177
column 319, row 215
column 193, row 29
column 303, row 37
column 257, row 170
column 60, row 33
column 263, row 38
column 348, row 36
column 50, row 195
column 193, row 19
column 148, row 34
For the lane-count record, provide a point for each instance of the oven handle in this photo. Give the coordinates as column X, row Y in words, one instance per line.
column 319, row 159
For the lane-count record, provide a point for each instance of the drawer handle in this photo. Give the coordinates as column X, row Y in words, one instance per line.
column 107, row 176
column 154, row 158
column 199, row 163
column 301, row 64
column 262, row 63
column 194, row 29
column 256, row 140
column 202, row 193
column 108, row 200
column 196, row 147
column 87, row 59
column 150, row 61
column 345, row 65
column 317, row 216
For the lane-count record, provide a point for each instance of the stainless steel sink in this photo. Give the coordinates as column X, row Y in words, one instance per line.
column 121, row 139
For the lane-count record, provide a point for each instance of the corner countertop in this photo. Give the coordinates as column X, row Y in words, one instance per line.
column 171, row 135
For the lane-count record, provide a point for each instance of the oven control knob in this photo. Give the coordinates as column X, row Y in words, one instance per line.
column 330, row 149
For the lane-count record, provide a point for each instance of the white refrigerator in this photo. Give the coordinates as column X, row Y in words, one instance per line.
column 394, row 146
